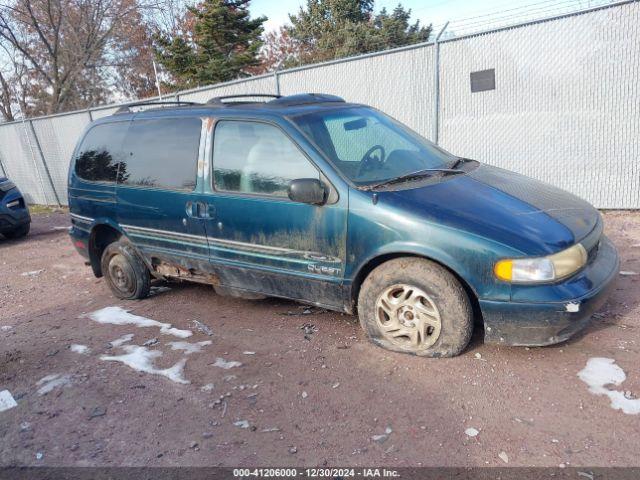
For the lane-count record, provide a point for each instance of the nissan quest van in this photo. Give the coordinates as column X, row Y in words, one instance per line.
column 335, row 204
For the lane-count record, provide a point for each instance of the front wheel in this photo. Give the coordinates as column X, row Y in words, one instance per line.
column 125, row 273
column 413, row 305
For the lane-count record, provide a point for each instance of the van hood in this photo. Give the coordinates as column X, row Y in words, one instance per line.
column 520, row 212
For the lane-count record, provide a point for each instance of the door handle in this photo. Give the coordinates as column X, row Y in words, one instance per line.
column 204, row 210
column 199, row 210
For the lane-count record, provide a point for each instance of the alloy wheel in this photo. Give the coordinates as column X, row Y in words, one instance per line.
column 408, row 317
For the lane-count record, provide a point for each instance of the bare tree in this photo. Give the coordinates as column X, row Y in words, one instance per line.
column 69, row 50
column 6, row 99
column 280, row 50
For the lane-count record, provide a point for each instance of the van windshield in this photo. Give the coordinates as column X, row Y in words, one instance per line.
column 369, row 147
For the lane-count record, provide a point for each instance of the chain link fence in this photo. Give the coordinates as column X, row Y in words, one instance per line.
column 556, row 99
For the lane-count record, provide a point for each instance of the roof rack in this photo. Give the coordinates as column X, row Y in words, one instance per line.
column 127, row 108
column 220, row 100
column 306, row 99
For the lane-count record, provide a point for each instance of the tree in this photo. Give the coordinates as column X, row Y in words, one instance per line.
column 133, row 74
column 280, row 50
column 12, row 75
column 62, row 52
column 330, row 29
column 395, row 30
column 217, row 41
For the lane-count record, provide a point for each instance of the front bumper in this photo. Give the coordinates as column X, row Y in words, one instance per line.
column 538, row 323
column 10, row 221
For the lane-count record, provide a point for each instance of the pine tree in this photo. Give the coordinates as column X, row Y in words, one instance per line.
column 330, row 29
column 219, row 42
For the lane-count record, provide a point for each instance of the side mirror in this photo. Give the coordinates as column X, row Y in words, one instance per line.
column 307, row 190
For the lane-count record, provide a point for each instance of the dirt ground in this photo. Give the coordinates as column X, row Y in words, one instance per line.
column 311, row 389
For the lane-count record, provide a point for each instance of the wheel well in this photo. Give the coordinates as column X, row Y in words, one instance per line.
column 101, row 236
column 375, row 262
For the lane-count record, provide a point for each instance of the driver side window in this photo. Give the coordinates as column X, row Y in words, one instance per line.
column 253, row 157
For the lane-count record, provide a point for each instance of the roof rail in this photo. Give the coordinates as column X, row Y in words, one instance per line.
column 127, row 108
column 306, row 99
column 220, row 100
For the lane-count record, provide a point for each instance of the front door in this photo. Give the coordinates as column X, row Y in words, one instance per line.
column 157, row 195
column 259, row 240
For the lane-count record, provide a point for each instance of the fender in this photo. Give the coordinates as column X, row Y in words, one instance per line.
column 461, row 260
column 95, row 250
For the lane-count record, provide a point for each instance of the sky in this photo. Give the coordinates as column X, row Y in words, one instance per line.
column 485, row 13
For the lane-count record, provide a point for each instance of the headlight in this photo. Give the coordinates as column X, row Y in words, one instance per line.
column 542, row 269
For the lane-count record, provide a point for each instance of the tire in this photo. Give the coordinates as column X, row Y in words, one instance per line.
column 124, row 271
column 413, row 305
column 21, row 231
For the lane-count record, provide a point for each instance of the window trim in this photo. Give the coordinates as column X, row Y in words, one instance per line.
column 237, row 193
column 77, row 151
column 197, row 159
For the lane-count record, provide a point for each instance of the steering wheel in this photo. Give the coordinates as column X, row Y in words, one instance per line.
column 370, row 162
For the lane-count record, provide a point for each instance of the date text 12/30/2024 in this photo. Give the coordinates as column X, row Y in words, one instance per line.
column 316, row 472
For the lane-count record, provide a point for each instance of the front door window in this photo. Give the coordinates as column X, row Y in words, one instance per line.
column 256, row 158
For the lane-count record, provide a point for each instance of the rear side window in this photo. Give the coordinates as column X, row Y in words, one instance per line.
column 100, row 153
column 162, row 153
column 252, row 157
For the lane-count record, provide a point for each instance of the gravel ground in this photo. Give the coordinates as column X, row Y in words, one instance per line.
column 311, row 389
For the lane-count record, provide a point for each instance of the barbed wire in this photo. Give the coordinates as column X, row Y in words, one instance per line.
column 524, row 13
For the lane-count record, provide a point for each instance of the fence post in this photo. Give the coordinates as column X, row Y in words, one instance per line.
column 436, row 86
column 33, row 157
column 276, row 78
column 44, row 162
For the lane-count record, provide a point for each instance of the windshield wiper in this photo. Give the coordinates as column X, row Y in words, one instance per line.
column 409, row 176
column 458, row 163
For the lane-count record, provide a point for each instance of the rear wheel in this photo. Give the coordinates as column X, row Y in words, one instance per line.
column 413, row 305
column 124, row 271
column 19, row 232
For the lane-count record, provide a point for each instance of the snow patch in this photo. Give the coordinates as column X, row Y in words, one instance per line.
column 624, row 273
column 33, row 273
column 222, row 363
column 122, row 340
column 601, row 372
column 7, row 401
column 50, row 382
column 471, row 432
column 189, row 348
column 120, row 316
column 81, row 349
column 142, row 359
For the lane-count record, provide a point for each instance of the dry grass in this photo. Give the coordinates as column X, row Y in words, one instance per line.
column 46, row 209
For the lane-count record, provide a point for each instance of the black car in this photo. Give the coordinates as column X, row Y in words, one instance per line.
column 15, row 220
